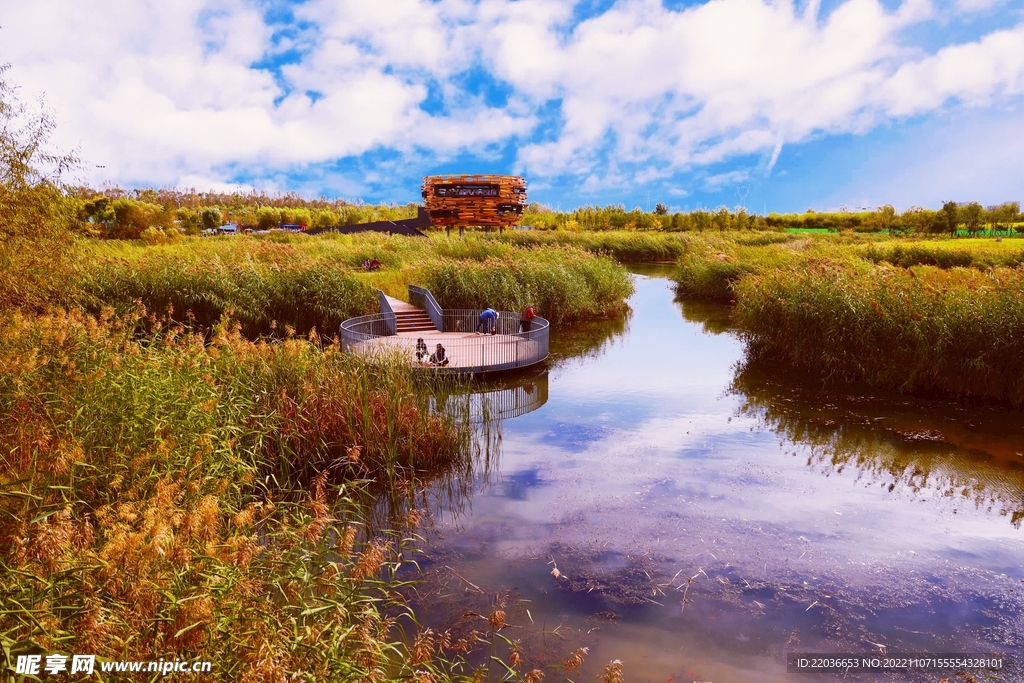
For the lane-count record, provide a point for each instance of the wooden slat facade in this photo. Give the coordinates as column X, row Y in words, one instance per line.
column 465, row 200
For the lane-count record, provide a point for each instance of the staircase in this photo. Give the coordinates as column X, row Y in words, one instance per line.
column 408, row 318
column 413, row 321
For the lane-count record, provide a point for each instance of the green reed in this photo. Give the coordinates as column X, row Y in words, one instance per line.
column 906, row 315
column 316, row 282
column 562, row 284
column 623, row 245
column 957, row 331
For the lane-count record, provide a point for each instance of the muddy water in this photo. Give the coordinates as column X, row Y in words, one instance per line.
column 708, row 517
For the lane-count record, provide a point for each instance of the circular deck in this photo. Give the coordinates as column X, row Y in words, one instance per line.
column 466, row 351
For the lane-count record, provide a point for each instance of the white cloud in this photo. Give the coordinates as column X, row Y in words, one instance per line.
column 159, row 92
column 722, row 179
column 970, row 6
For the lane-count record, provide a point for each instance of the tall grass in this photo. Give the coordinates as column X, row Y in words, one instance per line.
column 712, row 266
column 957, row 331
column 317, row 282
column 261, row 284
column 178, row 498
column 903, row 315
column 563, row 284
column 628, row 246
column 945, row 255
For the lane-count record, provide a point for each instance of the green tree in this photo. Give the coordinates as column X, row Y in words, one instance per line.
column 701, row 220
column 296, row 216
column 741, row 221
column 723, row 219
column 189, row 220
column 916, row 220
column 211, row 218
column 1001, row 217
column 680, row 221
column 971, row 215
column 37, row 216
column 947, row 218
column 885, row 217
column 660, row 209
column 268, row 218
column 99, row 211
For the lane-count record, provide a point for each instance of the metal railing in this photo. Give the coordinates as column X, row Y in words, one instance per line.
column 465, row 350
column 389, row 315
column 423, row 299
column 364, row 328
column 502, row 403
column 505, row 404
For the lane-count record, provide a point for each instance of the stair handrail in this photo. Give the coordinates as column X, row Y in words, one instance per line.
column 423, row 299
column 389, row 314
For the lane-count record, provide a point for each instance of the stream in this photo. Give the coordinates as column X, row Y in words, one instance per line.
column 707, row 517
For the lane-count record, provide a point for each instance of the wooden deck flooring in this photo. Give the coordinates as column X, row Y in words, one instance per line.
column 399, row 306
column 465, row 350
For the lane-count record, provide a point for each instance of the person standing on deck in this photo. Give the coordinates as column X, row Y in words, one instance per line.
column 487, row 319
column 526, row 319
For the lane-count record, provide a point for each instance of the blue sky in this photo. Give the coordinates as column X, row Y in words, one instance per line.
column 769, row 104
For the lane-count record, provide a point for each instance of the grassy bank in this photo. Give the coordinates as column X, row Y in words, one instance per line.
column 915, row 317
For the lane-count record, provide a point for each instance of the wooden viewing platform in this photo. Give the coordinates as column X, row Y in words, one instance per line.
column 399, row 324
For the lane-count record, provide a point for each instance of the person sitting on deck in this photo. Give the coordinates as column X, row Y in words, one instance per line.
column 487, row 319
column 438, row 357
column 526, row 319
column 374, row 264
column 421, row 350
column 366, row 264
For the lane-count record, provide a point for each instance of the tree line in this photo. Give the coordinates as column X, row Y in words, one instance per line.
column 166, row 213
column 156, row 214
column 953, row 217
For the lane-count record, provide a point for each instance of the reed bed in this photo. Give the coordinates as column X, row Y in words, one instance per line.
column 562, row 284
column 187, row 498
column 297, row 282
column 623, row 245
column 948, row 254
column 954, row 331
column 263, row 285
column 712, row 266
column 941, row 316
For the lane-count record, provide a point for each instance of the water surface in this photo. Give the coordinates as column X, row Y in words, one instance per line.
column 707, row 517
